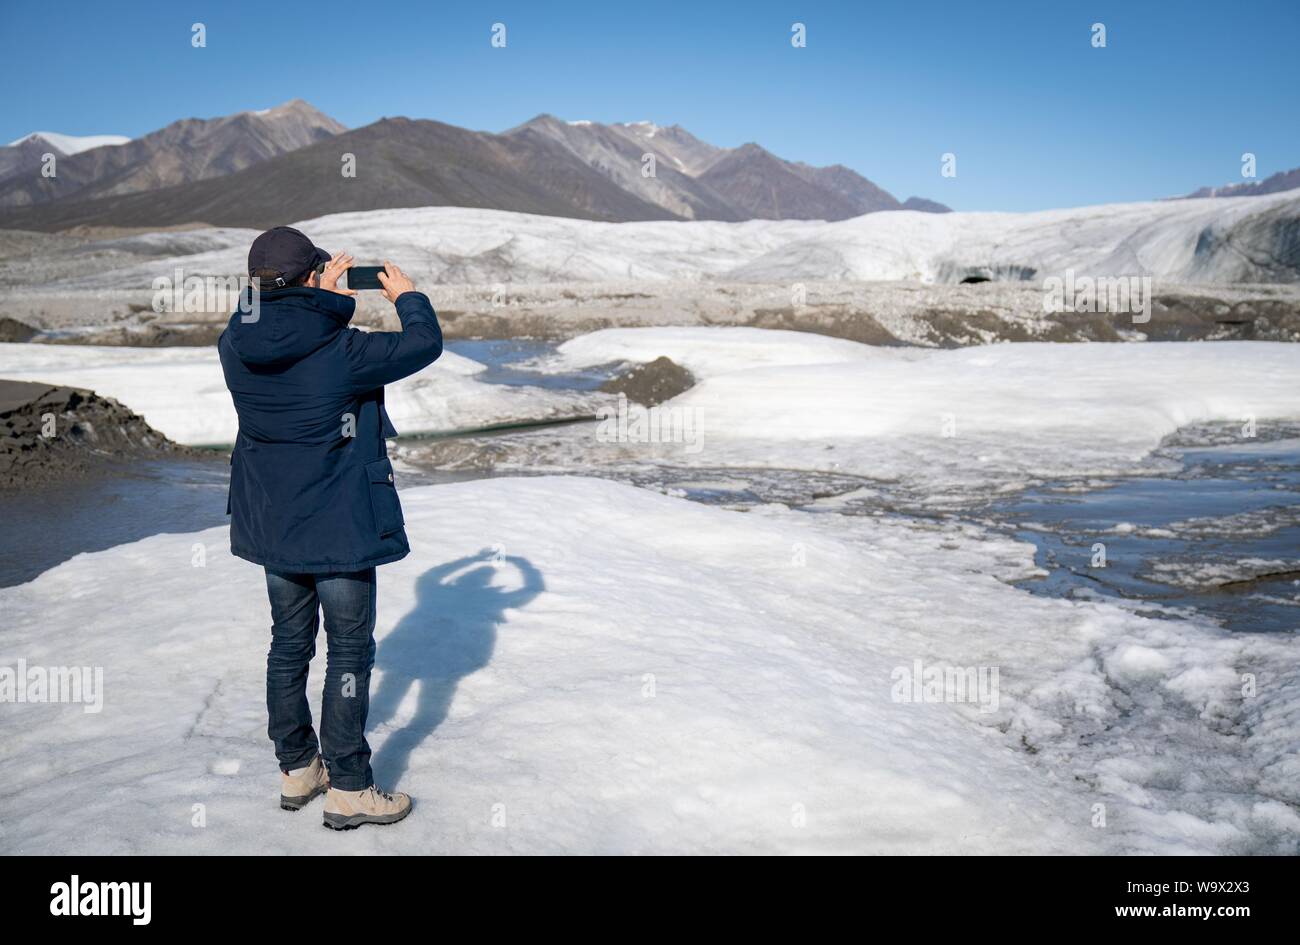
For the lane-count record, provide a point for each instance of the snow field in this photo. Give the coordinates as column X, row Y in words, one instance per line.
column 674, row 680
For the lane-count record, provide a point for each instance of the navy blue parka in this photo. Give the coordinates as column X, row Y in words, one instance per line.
column 311, row 485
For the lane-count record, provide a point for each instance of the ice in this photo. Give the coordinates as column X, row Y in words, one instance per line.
column 709, row 351
column 689, row 678
column 678, row 678
column 974, row 414
column 1198, row 573
column 1158, row 238
column 181, row 392
column 940, row 423
column 1170, row 241
column 1195, row 241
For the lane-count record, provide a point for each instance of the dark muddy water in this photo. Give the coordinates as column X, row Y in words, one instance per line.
column 507, row 361
column 121, row 503
column 1222, row 538
column 1221, row 541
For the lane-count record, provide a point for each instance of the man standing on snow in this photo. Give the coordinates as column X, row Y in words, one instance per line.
column 312, row 500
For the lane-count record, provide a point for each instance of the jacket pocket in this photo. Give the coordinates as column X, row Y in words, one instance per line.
column 383, row 497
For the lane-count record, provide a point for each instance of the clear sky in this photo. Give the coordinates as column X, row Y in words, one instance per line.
column 1036, row 116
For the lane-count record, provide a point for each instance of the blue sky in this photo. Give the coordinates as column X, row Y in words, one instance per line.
column 1035, row 115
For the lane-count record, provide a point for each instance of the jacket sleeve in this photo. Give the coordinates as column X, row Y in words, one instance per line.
column 376, row 358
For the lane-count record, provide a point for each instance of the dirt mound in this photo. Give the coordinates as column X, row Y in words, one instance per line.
column 49, row 433
column 12, row 330
column 652, row 383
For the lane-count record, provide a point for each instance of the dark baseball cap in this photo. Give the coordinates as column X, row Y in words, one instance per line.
column 285, row 251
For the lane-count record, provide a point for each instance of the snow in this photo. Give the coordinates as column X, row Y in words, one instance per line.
column 1158, row 238
column 648, row 128
column 679, row 683
column 709, row 351
column 181, row 392
column 936, row 420
column 1178, row 241
column 946, row 417
column 940, row 424
column 1162, row 239
column 72, row 144
column 691, row 679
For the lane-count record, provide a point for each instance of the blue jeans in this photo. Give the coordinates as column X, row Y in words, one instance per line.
column 348, row 601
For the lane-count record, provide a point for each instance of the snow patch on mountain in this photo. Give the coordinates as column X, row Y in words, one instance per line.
column 71, row 144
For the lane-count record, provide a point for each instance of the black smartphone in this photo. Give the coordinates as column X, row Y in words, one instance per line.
column 364, row 277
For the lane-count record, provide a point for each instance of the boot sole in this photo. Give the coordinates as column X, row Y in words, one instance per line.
column 344, row 822
column 298, row 803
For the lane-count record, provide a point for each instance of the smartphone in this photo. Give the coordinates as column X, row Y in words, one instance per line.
column 364, row 277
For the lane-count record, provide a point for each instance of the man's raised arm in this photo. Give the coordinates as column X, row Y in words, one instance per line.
column 377, row 358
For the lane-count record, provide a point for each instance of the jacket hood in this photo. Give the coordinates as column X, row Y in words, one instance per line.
column 286, row 325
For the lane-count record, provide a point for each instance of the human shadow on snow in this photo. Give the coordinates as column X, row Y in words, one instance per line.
column 450, row 633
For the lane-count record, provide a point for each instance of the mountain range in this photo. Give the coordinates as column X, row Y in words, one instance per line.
column 28, row 152
column 699, row 181
column 184, row 151
column 258, row 169
column 261, row 168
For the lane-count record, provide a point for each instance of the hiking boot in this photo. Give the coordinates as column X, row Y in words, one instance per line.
column 347, row 810
column 299, row 786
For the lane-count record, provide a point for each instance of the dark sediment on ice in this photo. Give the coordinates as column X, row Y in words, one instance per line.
column 150, row 335
column 12, row 330
column 651, row 383
column 887, row 313
column 50, row 433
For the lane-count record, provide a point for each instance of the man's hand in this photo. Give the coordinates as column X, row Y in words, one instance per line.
column 395, row 282
column 334, row 269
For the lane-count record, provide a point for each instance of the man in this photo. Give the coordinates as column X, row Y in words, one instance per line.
column 312, row 500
